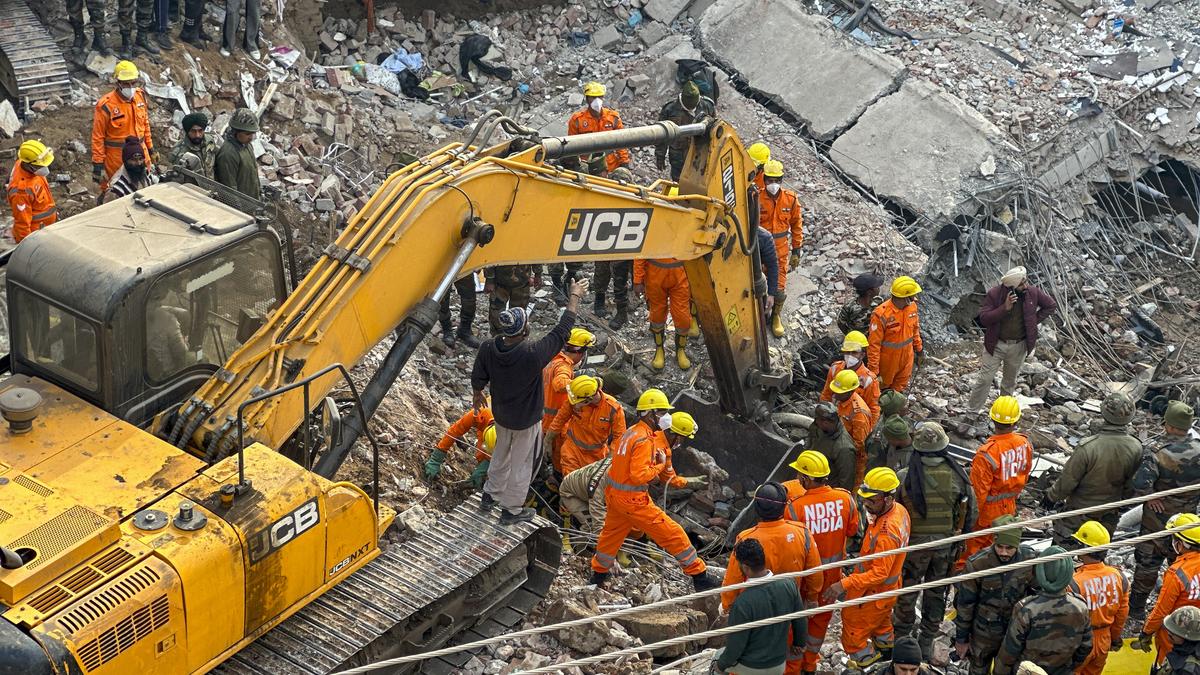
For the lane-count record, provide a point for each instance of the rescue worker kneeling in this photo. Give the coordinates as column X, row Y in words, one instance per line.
column 644, row 455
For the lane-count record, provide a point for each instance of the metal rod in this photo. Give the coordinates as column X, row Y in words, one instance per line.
column 556, row 147
column 456, row 265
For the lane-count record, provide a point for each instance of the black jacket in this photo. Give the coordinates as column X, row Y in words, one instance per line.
column 515, row 375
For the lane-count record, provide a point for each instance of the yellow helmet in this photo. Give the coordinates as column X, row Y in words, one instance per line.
column 905, row 287
column 878, row 481
column 35, row 153
column 760, row 153
column 1006, row 410
column 653, row 399
column 854, row 341
column 844, row 381
column 773, row 169
column 811, row 463
column 581, row 338
column 684, row 425
column 1190, row 535
column 1092, row 533
column 489, row 437
column 594, row 89
column 582, row 388
column 126, row 71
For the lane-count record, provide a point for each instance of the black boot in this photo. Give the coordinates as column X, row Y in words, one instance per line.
column 598, row 307
column 99, row 43
column 598, row 578
column 145, row 44
column 126, row 46
column 80, row 38
column 447, row 333
column 703, row 582
column 620, row 318
column 191, row 33
column 464, row 336
column 163, row 38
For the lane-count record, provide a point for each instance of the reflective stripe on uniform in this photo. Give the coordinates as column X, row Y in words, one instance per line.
column 115, row 144
column 837, row 557
column 991, row 460
column 549, row 411
column 665, row 265
column 606, row 561
column 891, row 580
column 780, row 235
column 581, row 444
column 1001, row 497
column 687, row 556
column 897, row 345
column 46, row 214
column 621, row 486
column 1183, row 579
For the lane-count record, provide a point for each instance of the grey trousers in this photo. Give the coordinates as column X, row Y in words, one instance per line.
column 233, row 17
column 1009, row 355
column 511, row 468
column 739, row 669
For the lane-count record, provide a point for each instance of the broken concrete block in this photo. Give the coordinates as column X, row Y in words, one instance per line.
column 328, row 124
column 283, row 108
column 665, row 10
column 656, row 626
column 607, row 37
column 101, row 65
column 638, row 81
column 652, row 33
column 325, row 205
column 9, row 124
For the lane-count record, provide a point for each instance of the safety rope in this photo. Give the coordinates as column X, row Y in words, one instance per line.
column 684, row 599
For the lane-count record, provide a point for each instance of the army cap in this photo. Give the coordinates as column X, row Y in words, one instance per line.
column 825, row 410
column 1184, row 622
column 930, row 437
column 1117, row 408
column 1008, row 537
column 1179, row 415
column 1054, row 575
column 891, row 402
column 896, row 429
column 244, row 120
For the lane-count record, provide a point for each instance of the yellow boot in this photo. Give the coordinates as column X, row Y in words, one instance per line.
column 776, row 321
column 694, row 331
column 681, row 356
column 567, row 549
column 660, row 355
column 624, row 560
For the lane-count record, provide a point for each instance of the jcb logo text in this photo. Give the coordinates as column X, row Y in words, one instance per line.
column 590, row 231
column 278, row 534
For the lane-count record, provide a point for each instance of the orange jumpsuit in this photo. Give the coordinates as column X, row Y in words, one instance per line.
column 894, row 335
column 556, row 377
column 865, row 625
column 1180, row 586
column 630, row 507
column 1106, row 593
column 998, row 475
column 32, row 204
column 458, row 431
column 587, row 432
column 780, row 215
column 832, row 517
column 856, row 418
column 585, row 122
column 113, row 121
column 868, row 387
column 666, row 284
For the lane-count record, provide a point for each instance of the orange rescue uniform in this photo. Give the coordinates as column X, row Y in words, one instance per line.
column 864, row 626
column 666, row 285
column 868, row 387
column 32, row 204
column 1106, row 593
column 114, row 120
column 630, row 507
column 1180, row 587
column 998, row 475
column 832, row 518
column 556, row 377
column 585, row 122
column 780, row 215
column 893, row 337
column 458, row 432
column 587, row 432
column 856, row 418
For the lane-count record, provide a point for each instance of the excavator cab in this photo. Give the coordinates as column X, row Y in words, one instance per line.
column 134, row 304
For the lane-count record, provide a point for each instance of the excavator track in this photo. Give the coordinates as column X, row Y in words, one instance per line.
column 32, row 67
column 464, row 578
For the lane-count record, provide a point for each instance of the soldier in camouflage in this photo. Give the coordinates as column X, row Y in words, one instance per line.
column 507, row 286
column 938, row 495
column 890, row 444
column 828, row 436
column 197, row 143
column 98, row 12
column 1099, row 471
column 1174, row 465
column 1053, row 628
column 984, row 606
column 687, row 108
column 856, row 315
column 1183, row 628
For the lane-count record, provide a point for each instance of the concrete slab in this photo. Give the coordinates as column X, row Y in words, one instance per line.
column 917, row 146
column 665, row 10
column 826, row 79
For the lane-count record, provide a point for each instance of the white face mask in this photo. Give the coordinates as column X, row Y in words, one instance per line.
column 127, row 93
column 664, row 421
column 851, row 361
column 597, row 104
column 42, row 171
column 773, row 188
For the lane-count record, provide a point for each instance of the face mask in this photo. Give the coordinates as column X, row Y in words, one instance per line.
column 851, row 361
column 773, row 188
column 127, row 93
column 42, row 171
column 597, row 104
column 664, row 421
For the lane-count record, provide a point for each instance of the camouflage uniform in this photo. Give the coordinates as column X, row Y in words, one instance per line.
column 466, row 308
column 1053, row 630
column 510, row 287
column 984, row 606
column 1175, row 465
column 128, row 10
column 839, row 449
column 206, row 153
column 881, row 453
column 854, row 316
column 97, row 12
column 675, row 111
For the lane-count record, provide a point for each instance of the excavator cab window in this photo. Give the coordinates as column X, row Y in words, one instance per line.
column 62, row 342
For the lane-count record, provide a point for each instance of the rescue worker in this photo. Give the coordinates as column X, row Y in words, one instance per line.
column 831, row 516
column 642, row 456
column 779, row 214
column 507, row 286
column 1175, row 464
column 999, row 471
column 855, row 416
column 983, row 607
column 1106, row 593
column 867, row 634
column 1099, row 471
column 616, row 271
column 589, row 421
column 890, row 444
column 760, row 154
column 687, row 108
column 894, row 339
column 98, row 12
column 856, row 314
column 1052, row 629
column 467, row 304
column 937, row 494
column 119, row 114
column 483, row 424
column 595, row 117
column 556, row 379
column 136, row 14
column 1179, row 584
column 1010, row 316
column 196, row 151
column 854, row 347
column 29, row 196
column 1183, row 630
column 829, row 437
column 664, row 284
column 234, row 165
column 581, row 495
column 133, row 175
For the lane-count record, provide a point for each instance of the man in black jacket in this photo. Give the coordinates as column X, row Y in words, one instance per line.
column 512, row 367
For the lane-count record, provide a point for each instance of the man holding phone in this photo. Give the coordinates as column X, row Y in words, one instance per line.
column 1010, row 316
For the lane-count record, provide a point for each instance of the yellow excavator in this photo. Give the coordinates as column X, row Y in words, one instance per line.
column 167, row 493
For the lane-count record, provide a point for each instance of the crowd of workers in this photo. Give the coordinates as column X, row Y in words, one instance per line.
column 145, row 25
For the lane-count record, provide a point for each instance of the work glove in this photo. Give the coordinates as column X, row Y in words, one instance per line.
column 696, row 482
column 433, row 465
column 794, row 262
column 1142, row 643
column 660, row 162
column 97, row 170
column 919, row 358
column 1116, row 645
column 479, row 475
column 1048, row 503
